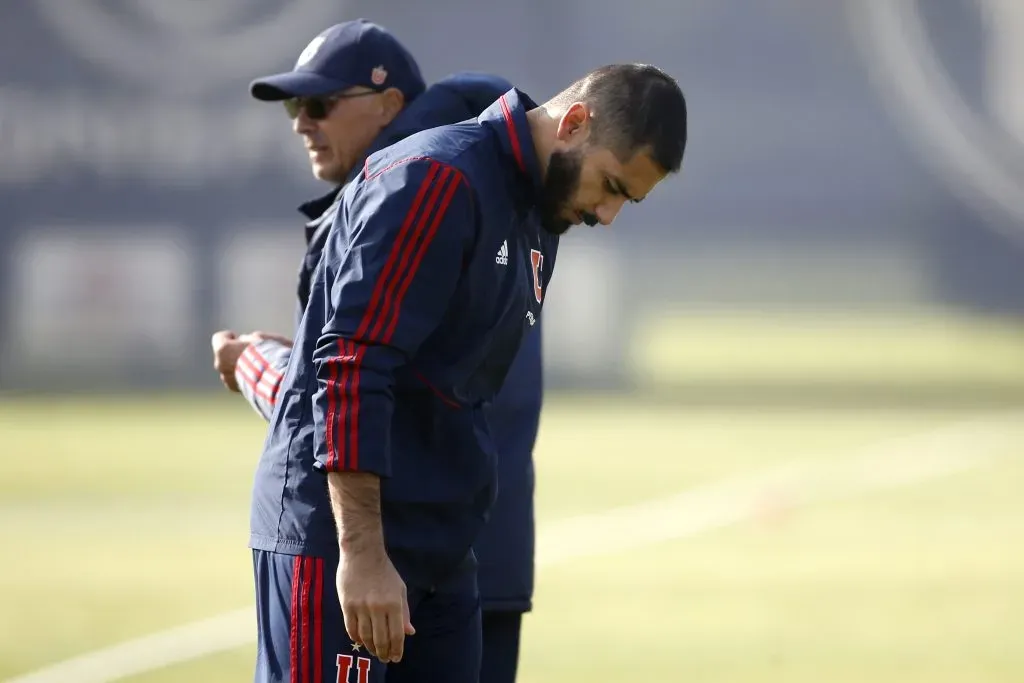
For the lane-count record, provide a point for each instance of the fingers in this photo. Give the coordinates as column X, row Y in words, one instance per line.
column 363, row 626
column 364, row 631
column 407, row 626
column 229, row 382
column 399, row 625
column 375, row 606
column 382, row 636
column 219, row 342
column 351, row 618
column 390, row 626
column 221, row 361
column 397, row 631
column 225, row 368
column 380, row 627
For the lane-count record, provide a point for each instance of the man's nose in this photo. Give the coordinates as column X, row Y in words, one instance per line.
column 302, row 124
column 608, row 210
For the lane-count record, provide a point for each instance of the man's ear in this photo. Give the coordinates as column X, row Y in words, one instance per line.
column 392, row 101
column 574, row 126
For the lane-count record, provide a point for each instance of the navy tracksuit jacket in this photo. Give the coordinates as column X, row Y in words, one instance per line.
column 432, row 277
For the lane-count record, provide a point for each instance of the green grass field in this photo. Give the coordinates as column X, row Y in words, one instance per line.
column 126, row 517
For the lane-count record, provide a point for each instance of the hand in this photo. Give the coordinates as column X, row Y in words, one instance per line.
column 227, row 348
column 374, row 602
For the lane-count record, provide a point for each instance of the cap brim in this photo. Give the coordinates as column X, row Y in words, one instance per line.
column 294, row 84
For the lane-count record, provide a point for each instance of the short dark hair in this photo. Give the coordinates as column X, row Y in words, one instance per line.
column 637, row 107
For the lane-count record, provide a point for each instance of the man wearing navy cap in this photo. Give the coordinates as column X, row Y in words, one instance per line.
column 354, row 90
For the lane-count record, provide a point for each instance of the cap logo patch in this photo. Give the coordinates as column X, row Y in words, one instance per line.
column 310, row 51
column 379, row 75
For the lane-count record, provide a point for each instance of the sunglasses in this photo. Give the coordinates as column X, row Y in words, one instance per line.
column 319, row 108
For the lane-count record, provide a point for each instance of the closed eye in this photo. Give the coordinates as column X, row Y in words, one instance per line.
column 617, row 188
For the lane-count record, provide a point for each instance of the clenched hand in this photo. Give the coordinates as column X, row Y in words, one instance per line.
column 375, row 603
column 228, row 347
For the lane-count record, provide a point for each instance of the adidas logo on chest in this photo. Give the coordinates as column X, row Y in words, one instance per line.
column 502, row 258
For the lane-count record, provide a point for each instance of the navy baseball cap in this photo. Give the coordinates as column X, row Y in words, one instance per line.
column 352, row 53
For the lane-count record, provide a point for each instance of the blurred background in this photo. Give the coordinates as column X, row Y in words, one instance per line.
column 839, row 266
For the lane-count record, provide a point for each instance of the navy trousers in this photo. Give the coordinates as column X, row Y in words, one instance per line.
column 501, row 646
column 301, row 634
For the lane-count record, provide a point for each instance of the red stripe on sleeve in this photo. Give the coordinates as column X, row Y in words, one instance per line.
column 396, row 248
column 403, row 278
column 399, row 269
column 332, row 407
column 421, row 252
column 353, row 426
column 260, row 361
column 349, row 373
column 261, row 387
column 407, row 249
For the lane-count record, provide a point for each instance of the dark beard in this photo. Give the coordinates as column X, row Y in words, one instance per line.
column 560, row 185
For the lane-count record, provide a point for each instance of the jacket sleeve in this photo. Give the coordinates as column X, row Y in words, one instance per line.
column 392, row 262
column 258, row 374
